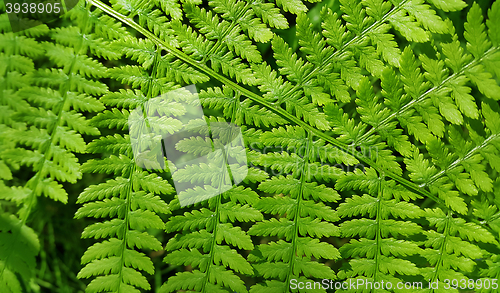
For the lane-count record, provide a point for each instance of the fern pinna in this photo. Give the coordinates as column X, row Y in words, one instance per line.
column 298, row 202
column 370, row 129
column 207, row 238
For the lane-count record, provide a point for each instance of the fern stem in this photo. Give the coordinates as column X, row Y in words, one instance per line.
column 442, row 247
column 218, row 202
column 297, row 213
column 217, row 217
column 378, row 237
column 212, row 246
column 128, row 195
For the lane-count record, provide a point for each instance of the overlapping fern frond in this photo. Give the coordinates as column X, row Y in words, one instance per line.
column 18, row 242
column 131, row 203
column 210, row 238
column 301, row 210
column 42, row 128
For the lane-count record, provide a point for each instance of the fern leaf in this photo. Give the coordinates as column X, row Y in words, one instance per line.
column 207, row 228
column 131, row 200
column 298, row 213
column 53, row 129
column 135, row 212
column 373, row 260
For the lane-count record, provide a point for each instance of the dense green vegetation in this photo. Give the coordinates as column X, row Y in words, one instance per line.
column 371, row 132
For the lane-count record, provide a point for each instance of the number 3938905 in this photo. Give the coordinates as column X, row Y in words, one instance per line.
column 470, row 284
column 16, row 8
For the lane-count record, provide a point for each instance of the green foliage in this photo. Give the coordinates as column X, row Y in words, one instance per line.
column 208, row 241
column 371, row 131
column 380, row 254
column 129, row 204
column 19, row 245
column 43, row 123
column 300, row 207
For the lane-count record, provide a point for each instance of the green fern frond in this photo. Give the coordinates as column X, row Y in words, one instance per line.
column 56, row 126
column 370, row 130
column 301, row 215
column 132, row 201
column 381, row 254
column 46, row 129
column 450, row 251
column 200, row 234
